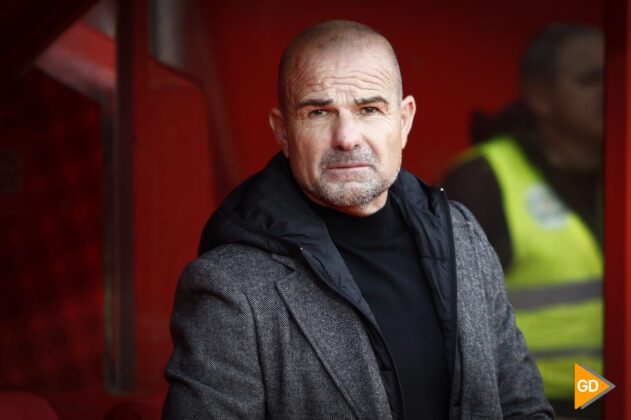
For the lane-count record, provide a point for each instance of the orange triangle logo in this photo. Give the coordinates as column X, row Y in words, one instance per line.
column 588, row 386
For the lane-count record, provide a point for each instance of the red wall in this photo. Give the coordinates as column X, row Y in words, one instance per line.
column 51, row 223
column 454, row 56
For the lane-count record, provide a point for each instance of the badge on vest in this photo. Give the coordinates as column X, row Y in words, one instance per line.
column 544, row 206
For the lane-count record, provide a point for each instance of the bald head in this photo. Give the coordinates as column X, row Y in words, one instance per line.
column 334, row 35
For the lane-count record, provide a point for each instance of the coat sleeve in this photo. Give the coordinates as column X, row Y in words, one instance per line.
column 214, row 371
column 518, row 379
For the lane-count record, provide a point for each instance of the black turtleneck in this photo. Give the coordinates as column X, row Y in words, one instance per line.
column 382, row 256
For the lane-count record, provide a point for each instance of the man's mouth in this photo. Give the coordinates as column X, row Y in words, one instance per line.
column 353, row 165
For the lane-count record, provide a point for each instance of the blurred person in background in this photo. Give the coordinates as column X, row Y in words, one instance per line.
column 534, row 181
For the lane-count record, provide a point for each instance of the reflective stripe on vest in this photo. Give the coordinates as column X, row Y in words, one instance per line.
column 555, row 279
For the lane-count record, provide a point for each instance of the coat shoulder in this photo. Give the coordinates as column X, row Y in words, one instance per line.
column 464, row 221
column 459, row 212
column 235, row 266
column 473, row 250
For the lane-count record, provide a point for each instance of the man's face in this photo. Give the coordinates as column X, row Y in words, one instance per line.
column 344, row 126
column 576, row 98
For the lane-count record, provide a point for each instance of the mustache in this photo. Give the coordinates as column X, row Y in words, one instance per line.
column 336, row 157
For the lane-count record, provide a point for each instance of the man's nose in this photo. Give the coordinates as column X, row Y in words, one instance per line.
column 347, row 134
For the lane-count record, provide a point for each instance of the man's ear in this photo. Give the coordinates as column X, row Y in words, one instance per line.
column 277, row 122
column 408, row 110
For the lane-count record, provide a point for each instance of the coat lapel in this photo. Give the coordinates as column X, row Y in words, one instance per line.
column 338, row 337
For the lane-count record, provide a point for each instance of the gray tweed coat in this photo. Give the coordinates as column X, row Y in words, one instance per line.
column 257, row 334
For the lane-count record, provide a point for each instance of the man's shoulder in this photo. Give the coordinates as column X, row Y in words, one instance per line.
column 473, row 248
column 466, row 227
column 461, row 215
column 233, row 252
column 236, row 266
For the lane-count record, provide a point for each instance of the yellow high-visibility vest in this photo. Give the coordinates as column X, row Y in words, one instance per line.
column 555, row 279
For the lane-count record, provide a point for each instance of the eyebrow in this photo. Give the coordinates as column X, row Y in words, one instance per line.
column 325, row 102
column 314, row 102
column 371, row 100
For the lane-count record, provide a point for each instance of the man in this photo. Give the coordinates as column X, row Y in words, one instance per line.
column 534, row 181
column 335, row 285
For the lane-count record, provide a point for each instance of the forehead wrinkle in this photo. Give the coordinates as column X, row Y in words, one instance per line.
column 339, row 64
column 306, row 81
column 302, row 56
column 366, row 82
column 351, row 91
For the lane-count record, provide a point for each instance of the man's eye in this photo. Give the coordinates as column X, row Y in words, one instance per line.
column 368, row 110
column 317, row 113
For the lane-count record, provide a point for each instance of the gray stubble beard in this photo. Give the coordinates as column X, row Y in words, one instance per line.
column 342, row 194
